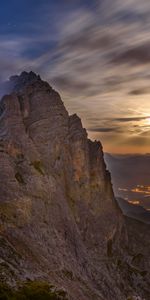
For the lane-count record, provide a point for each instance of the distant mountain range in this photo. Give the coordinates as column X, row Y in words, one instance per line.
column 130, row 176
column 136, row 212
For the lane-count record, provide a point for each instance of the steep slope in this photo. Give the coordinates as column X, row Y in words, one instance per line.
column 58, row 216
column 53, row 185
column 131, row 248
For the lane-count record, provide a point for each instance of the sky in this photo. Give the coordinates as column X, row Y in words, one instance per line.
column 95, row 53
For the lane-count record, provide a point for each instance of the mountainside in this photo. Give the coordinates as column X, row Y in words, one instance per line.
column 59, row 220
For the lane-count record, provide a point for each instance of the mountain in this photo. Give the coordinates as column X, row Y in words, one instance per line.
column 130, row 176
column 59, row 220
column 129, row 169
column 134, row 211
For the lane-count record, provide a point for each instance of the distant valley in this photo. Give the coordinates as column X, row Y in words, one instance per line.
column 131, row 177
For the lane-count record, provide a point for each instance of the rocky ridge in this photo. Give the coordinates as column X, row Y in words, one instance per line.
column 59, row 220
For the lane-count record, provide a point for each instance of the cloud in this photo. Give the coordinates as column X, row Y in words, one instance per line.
column 138, row 141
column 140, row 91
column 103, row 129
column 139, row 54
column 95, row 52
column 70, row 84
column 131, row 119
column 90, row 39
column 146, row 133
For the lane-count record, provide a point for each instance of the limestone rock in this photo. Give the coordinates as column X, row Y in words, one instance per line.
column 58, row 215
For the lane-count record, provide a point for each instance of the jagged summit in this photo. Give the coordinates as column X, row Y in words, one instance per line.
column 18, row 82
column 25, row 79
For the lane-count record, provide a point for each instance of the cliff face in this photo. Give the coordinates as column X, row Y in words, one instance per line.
column 57, row 210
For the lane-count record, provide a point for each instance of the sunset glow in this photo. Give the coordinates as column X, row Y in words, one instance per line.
column 148, row 121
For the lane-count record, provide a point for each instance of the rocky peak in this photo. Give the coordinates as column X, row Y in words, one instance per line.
column 24, row 79
column 18, row 83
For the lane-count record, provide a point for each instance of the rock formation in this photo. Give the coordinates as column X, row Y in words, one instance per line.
column 59, row 220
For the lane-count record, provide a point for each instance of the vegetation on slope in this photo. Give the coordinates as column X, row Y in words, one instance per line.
column 31, row 291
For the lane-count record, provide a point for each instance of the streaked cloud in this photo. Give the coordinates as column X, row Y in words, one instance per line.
column 131, row 119
column 70, row 84
column 104, row 129
column 140, row 91
column 96, row 53
column 138, row 54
